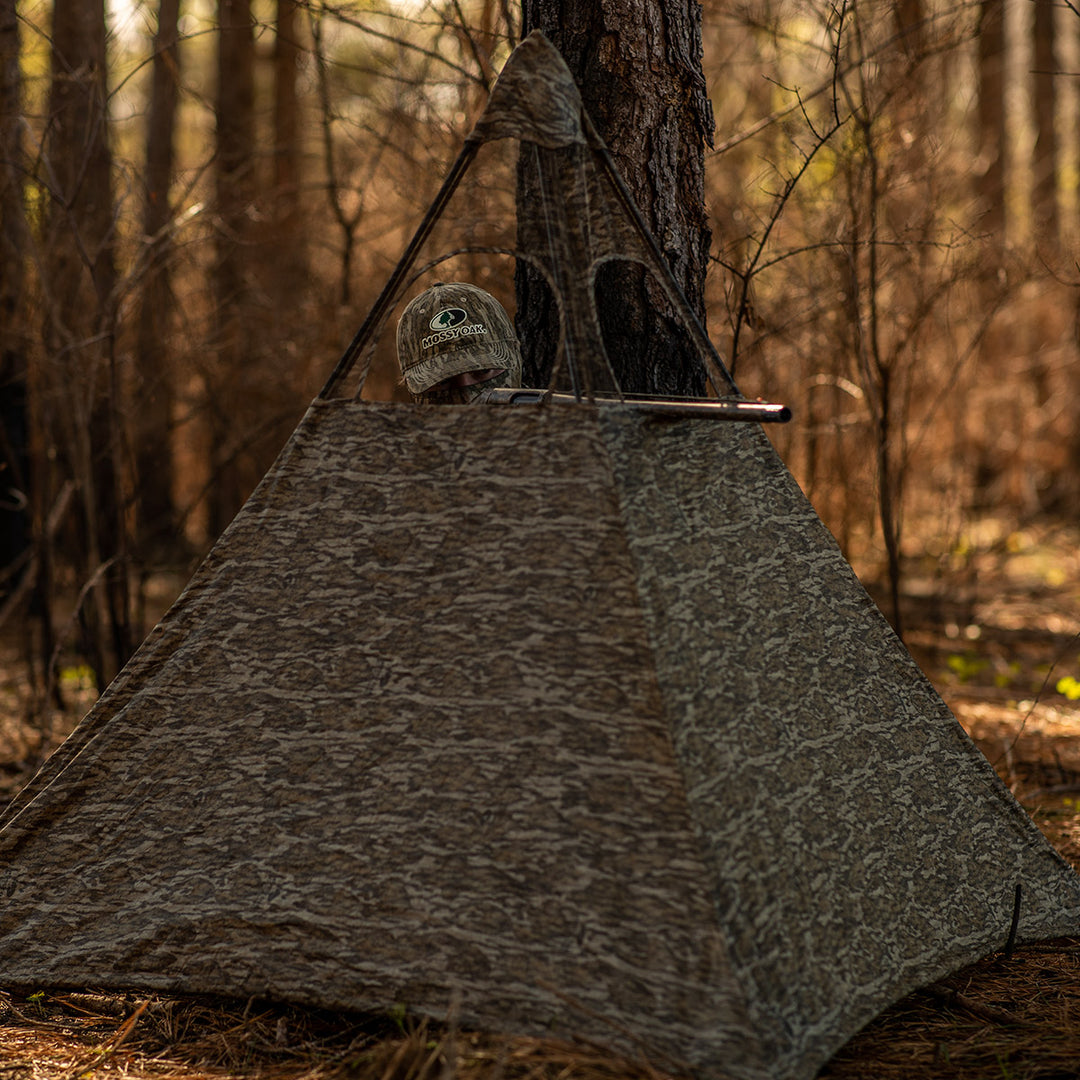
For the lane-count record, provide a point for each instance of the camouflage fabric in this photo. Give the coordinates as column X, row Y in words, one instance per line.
column 467, row 395
column 581, row 214
column 665, row 779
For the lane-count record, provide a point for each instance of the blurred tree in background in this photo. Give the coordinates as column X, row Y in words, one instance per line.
column 201, row 200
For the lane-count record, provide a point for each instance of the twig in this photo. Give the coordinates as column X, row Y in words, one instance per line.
column 954, row 999
column 52, row 526
column 114, row 1044
column 1054, row 789
column 1010, row 944
column 647, row 1053
column 1042, row 689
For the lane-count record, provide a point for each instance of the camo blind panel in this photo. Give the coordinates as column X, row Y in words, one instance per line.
column 400, row 738
column 578, row 214
column 591, row 728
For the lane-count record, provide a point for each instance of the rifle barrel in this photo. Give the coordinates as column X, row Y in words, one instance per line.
column 762, row 412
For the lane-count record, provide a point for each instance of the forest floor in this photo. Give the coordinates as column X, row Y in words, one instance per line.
column 995, row 623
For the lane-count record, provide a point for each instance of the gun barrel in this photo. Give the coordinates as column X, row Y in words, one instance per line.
column 762, row 412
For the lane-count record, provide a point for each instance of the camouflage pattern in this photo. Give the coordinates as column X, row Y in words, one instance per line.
column 452, row 329
column 445, row 394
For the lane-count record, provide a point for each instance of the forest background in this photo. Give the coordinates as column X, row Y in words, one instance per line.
column 201, row 199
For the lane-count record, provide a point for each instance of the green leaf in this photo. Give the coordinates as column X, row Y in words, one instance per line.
column 1070, row 687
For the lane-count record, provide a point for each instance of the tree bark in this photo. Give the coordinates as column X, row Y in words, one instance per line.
column 81, row 383
column 638, row 64
column 289, row 257
column 153, row 437
column 79, row 158
column 991, row 116
column 1045, row 152
column 909, row 18
column 14, row 458
column 235, row 187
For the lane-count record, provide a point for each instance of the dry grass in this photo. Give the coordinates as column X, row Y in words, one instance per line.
column 71, row 1036
column 1017, row 1018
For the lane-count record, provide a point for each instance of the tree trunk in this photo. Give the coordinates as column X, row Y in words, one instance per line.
column 79, row 159
column 80, row 383
column 991, row 135
column 909, row 17
column 288, row 259
column 153, row 417
column 1044, row 155
column 14, row 459
column 638, row 64
column 235, row 198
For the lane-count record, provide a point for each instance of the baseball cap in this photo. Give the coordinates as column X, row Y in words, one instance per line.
column 452, row 328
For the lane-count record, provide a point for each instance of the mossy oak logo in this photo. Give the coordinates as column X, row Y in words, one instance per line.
column 449, row 324
column 449, row 318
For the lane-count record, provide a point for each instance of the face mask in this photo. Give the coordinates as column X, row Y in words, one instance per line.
column 465, row 395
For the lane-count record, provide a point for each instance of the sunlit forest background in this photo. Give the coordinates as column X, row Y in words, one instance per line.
column 201, row 200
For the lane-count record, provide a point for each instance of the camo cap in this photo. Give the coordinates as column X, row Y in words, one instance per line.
column 453, row 328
